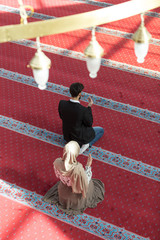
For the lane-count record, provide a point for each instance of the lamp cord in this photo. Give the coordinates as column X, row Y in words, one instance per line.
column 142, row 18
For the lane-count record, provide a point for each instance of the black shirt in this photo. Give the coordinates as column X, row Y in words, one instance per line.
column 77, row 122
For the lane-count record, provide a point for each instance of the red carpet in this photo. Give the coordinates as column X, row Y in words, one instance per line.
column 26, row 223
column 131, row 200
column 114, row 84
column 132, row 137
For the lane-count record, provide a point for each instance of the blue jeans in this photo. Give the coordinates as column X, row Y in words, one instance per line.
column 99, row 131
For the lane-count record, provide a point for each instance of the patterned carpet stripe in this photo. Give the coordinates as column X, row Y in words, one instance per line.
column 79, row 56
column 95, row 3
column 97, row 153
column 104, row 4
column 99, row 101
column 121, row 34
column 103, row 30
column 85, row 222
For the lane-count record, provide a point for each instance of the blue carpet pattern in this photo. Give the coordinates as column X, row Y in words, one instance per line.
column 99, row 101
column 100, row 154
column 85, row 222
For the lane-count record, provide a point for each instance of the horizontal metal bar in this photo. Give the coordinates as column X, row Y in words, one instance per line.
column 77, row 21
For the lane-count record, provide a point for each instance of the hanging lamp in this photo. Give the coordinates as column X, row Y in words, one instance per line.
column 141, row 38
column 93, row 55
column 40, row 65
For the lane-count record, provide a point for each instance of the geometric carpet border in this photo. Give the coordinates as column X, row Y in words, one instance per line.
column 97, row 153
column 85, row 222
column 99, row 101
column 121, row 34
column 90, row 2
column 104, row 30
column 104, row 4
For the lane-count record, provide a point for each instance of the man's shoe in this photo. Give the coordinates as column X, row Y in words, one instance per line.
column 83, row 148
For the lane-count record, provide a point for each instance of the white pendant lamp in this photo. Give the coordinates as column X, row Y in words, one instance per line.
column 40, row 65
column 141, row 38
column 93, row 55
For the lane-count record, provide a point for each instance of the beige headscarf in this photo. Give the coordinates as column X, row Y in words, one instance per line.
column 69, row 167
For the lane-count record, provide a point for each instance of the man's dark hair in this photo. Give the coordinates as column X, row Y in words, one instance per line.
column 75, row 89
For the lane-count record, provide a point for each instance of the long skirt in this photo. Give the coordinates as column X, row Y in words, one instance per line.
column 73, row 203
